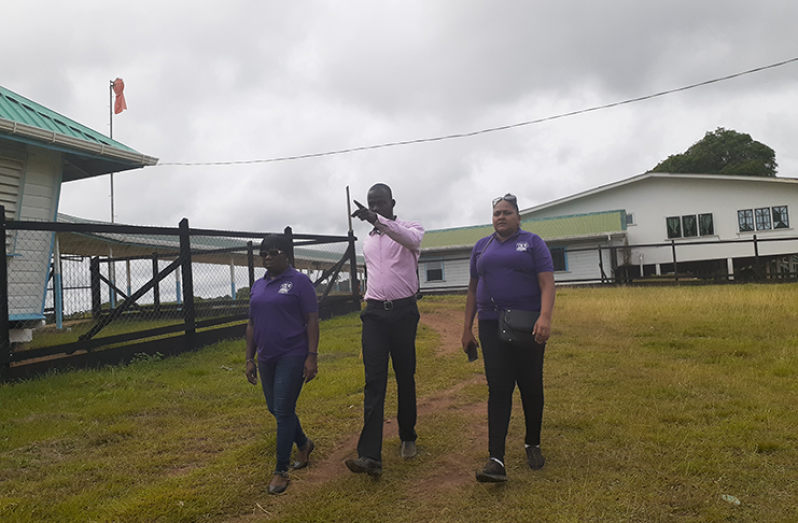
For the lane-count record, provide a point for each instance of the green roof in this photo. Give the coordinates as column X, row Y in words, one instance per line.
column 90, row 153
column 574, row 226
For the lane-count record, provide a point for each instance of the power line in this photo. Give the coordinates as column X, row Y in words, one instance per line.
column 489, row 129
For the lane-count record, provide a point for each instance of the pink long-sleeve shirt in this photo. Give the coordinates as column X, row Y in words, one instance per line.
column 391, row 250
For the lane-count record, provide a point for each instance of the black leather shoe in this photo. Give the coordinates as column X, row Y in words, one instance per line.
column 492, row 473
column 408, row 449
column 367, row 465
column 534, row 458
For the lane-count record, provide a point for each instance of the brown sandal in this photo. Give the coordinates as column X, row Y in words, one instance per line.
column 280, row 487
column 309, row 446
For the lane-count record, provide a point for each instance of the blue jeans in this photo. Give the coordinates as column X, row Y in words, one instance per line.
column 282, row 382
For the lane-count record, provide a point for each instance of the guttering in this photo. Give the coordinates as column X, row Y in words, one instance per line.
column 97, row 149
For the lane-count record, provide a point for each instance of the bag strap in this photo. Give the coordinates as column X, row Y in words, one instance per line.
column 484, row 279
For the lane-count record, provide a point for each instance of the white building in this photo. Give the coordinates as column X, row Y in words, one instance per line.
column 39, row 150
column 709, row 221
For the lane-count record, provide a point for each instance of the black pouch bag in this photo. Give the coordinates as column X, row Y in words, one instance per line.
column 516, row 326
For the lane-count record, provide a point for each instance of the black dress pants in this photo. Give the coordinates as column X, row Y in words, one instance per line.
column 505, row 366
column 388, row 334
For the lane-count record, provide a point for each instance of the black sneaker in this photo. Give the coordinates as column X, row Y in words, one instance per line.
column 367, row 465
column 492, row 473
column 534, row 458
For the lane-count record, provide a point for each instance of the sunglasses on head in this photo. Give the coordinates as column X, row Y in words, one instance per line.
column 507, row 197
column 271, row 252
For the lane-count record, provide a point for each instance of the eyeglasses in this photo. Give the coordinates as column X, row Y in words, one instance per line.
column 272, row 253
column 507, row 197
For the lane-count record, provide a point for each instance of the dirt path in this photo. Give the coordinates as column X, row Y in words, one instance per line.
column 455, row 468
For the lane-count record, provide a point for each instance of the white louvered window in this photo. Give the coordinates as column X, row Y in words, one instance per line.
column 10, row 187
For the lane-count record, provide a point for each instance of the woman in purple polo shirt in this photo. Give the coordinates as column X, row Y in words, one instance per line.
column 510, row 269
column 284, row 330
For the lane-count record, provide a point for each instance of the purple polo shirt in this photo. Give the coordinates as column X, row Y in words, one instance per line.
column 277, row 307
column 511, row 270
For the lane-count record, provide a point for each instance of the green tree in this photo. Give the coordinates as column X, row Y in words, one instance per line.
column 242, row 294
column 723, row 151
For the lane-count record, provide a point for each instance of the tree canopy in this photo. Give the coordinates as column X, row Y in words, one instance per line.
column 723, row 151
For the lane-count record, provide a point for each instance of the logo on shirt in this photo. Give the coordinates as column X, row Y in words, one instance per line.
column 521, row 246
column 285, row 288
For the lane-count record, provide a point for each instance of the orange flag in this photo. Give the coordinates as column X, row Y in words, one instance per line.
column 119, row 88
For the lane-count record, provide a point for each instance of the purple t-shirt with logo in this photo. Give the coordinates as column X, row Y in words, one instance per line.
column 511, row 270
column 277, row 307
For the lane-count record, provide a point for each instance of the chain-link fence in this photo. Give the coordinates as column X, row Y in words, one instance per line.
column 81, row 293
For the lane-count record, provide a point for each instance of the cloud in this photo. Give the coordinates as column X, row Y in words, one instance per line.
column 244, row 80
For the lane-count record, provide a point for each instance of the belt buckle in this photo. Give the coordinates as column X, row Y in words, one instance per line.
column 388, row 305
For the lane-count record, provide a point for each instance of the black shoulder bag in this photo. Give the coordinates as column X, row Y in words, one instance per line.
column 514, row 326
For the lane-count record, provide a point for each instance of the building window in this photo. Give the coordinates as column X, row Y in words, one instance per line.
column 674, row 227
column 559, row 258
column 746, row 220
column 434, row 270
column 690, row 226
column 780, row 218
column 762, row 219
column 630, row 218
column 706, row 225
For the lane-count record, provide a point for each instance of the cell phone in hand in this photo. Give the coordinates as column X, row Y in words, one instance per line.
column 471, row 350
column 360, row 207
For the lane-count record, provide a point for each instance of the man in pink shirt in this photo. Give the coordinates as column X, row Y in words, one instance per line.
column 390, row 321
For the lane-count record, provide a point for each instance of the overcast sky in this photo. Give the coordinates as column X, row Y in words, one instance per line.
column 257, row 79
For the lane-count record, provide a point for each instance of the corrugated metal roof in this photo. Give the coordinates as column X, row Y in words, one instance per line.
column 87, row 153
column 562, row 227
column 97, row 244
column 19, row 109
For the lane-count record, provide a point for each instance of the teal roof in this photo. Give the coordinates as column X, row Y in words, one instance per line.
column 576, row 226
column 90, row 153
column 136, row 244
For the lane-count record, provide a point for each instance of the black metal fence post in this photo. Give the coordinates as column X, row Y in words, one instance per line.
column 757, row 266
column 156, row 291
column 601, row 266
column 189, row 314
column 355, row 284
column 5, row 342
column 96, row 295
column 290, row 233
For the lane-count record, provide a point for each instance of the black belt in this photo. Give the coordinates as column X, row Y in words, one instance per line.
column 390, row 305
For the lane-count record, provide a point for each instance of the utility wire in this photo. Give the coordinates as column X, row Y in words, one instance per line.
column 489, row 129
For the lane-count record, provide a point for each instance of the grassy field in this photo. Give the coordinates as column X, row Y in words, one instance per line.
column 660, row 401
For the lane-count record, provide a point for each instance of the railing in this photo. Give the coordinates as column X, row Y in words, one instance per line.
column 86, row 294
column 746, row 266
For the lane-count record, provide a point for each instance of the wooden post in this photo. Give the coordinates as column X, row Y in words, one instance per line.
column 355, row 284
column 96, row 296
column 757, row 266
column 5, row 342
column 156, row 291
column 290, row 233
column 675, row 265
column 188, row 283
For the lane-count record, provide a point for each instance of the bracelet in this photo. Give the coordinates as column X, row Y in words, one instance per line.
column 250, row 359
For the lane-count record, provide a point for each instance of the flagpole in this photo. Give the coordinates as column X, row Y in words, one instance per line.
column 111, row 116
